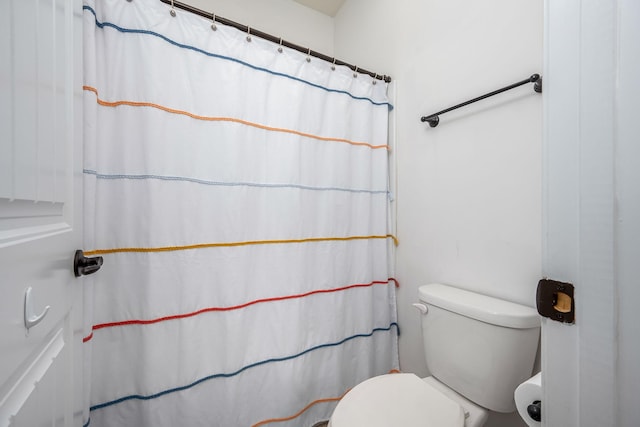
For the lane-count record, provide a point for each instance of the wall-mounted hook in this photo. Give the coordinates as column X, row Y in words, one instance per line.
column 30, row 319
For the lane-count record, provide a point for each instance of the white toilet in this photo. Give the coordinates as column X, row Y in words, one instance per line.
column 478, row 350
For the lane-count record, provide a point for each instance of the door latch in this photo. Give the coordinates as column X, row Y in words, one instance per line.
column 555, row 300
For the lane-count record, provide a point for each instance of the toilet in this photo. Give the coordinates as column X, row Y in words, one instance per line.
column 478, row 350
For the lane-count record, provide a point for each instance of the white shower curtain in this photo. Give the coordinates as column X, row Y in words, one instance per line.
column 240, row 198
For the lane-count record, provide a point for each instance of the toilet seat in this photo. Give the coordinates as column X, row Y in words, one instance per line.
column 396, row 400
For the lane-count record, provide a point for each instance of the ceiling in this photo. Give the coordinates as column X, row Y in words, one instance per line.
column 328, row 7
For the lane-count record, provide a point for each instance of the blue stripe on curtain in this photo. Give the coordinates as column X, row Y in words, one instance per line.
column 228, row 58
column 244, row 368
column 229, row 184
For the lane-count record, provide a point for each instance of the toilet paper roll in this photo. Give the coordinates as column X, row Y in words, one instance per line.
column 526, row 393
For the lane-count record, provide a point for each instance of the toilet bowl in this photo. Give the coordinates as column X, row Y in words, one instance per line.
column 478, row 350
column 408, row 401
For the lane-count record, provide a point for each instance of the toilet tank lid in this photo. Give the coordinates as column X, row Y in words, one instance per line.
column 480, row 307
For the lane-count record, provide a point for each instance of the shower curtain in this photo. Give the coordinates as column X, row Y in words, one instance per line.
column 239, row 195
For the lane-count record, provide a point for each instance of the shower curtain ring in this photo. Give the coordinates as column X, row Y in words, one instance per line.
column 248, row 33
column 355, row 72
column 172, row 12
column 280, row 47
column 214, row 27
column 308, row 55
column 333, row 65
column 375, row 78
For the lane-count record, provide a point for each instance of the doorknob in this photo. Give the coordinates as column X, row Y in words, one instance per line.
column 83, row 265
column 30, row 319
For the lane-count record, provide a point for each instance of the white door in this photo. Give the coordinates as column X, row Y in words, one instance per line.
column 591, row 211
column 40, row 202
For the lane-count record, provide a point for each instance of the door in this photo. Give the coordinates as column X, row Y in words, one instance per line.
column 40, row 221
column 591, row 211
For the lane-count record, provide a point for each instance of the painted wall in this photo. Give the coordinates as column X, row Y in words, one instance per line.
column 469, row 191
column 282, row 18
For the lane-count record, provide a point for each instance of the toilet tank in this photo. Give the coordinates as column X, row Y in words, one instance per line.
column 479, row 346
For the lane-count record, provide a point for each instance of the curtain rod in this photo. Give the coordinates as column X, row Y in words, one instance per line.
column 433, row 119
column 253, row 32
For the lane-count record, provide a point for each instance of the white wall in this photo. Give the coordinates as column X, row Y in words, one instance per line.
column 281, row 18
column 469, row 191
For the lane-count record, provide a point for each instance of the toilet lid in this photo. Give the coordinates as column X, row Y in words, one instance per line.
column 396, row 400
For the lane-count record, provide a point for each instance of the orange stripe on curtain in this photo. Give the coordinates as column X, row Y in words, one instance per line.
column 246, row 243
column 225, row 119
